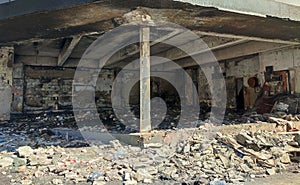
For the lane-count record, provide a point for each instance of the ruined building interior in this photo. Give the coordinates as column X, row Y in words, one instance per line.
column 255, row 44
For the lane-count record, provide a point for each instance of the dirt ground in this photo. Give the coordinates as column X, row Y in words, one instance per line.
column 287, row 178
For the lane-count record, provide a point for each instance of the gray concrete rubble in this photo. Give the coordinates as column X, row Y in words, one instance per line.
column 203, row 158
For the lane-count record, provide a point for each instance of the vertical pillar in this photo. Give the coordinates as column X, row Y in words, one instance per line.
column 6, row 73
column 145, row 118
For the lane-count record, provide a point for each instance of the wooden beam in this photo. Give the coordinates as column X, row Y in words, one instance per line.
column 67, row 50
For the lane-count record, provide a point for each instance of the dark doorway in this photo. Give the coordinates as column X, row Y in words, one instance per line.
column 240, row 105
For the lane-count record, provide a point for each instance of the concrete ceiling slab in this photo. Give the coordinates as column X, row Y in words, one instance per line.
column 101, row 16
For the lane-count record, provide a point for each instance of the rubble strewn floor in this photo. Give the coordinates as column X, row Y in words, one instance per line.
column 204, row 158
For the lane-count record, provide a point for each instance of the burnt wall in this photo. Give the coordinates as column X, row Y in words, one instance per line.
column 39, row 85
column 47, row 88
column 6, row 62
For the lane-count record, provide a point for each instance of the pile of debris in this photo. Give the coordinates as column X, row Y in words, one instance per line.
column 201, row 159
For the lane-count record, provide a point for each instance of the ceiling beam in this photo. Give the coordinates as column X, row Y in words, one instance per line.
column 67, row 50
column 118, row 58
column 248, row 48
column 175, row 53
column 244, row 37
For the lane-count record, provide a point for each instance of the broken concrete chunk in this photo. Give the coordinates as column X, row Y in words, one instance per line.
column 131, row 182
column 245, row 168
column 187, row 148
column 244, row 139
column 297, row 139
column 142, row 174
column 6, row 161
column 25, row 151
column 271, row 171
column 116, row 144
column 26, row 182
column 19, row 162
column 285, row 158
column 57, row 181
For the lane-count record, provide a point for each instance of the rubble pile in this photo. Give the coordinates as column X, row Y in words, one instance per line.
column 221, row 159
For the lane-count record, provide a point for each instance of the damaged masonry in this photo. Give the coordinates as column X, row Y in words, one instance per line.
column 149, row 92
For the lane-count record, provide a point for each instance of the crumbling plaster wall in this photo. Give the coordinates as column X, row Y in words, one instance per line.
column 244, row 68
column 255, row 66
column 240, row 68
column 279, row 59
column 284, row 59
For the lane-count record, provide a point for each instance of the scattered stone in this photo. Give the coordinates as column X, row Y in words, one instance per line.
column 127, row 177
column 6, row 161
column 99, row 183
column 57, row 181
column 26, row 182
column 271, row 171
column 285, row 158
column 20, row 162
column 71, row 175
column 95, row 176
column 116, row 144
column 25, row 151
column 142, row 174
column 187, row 148
column 131, row 182
column 222, row 159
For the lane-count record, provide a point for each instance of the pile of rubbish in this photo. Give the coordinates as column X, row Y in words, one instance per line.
column 203, row 158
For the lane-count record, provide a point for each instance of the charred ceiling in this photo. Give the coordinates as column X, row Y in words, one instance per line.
column 101, row 16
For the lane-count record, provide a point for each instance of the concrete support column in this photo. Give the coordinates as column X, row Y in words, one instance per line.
column 145, row 88
column 6, row 63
